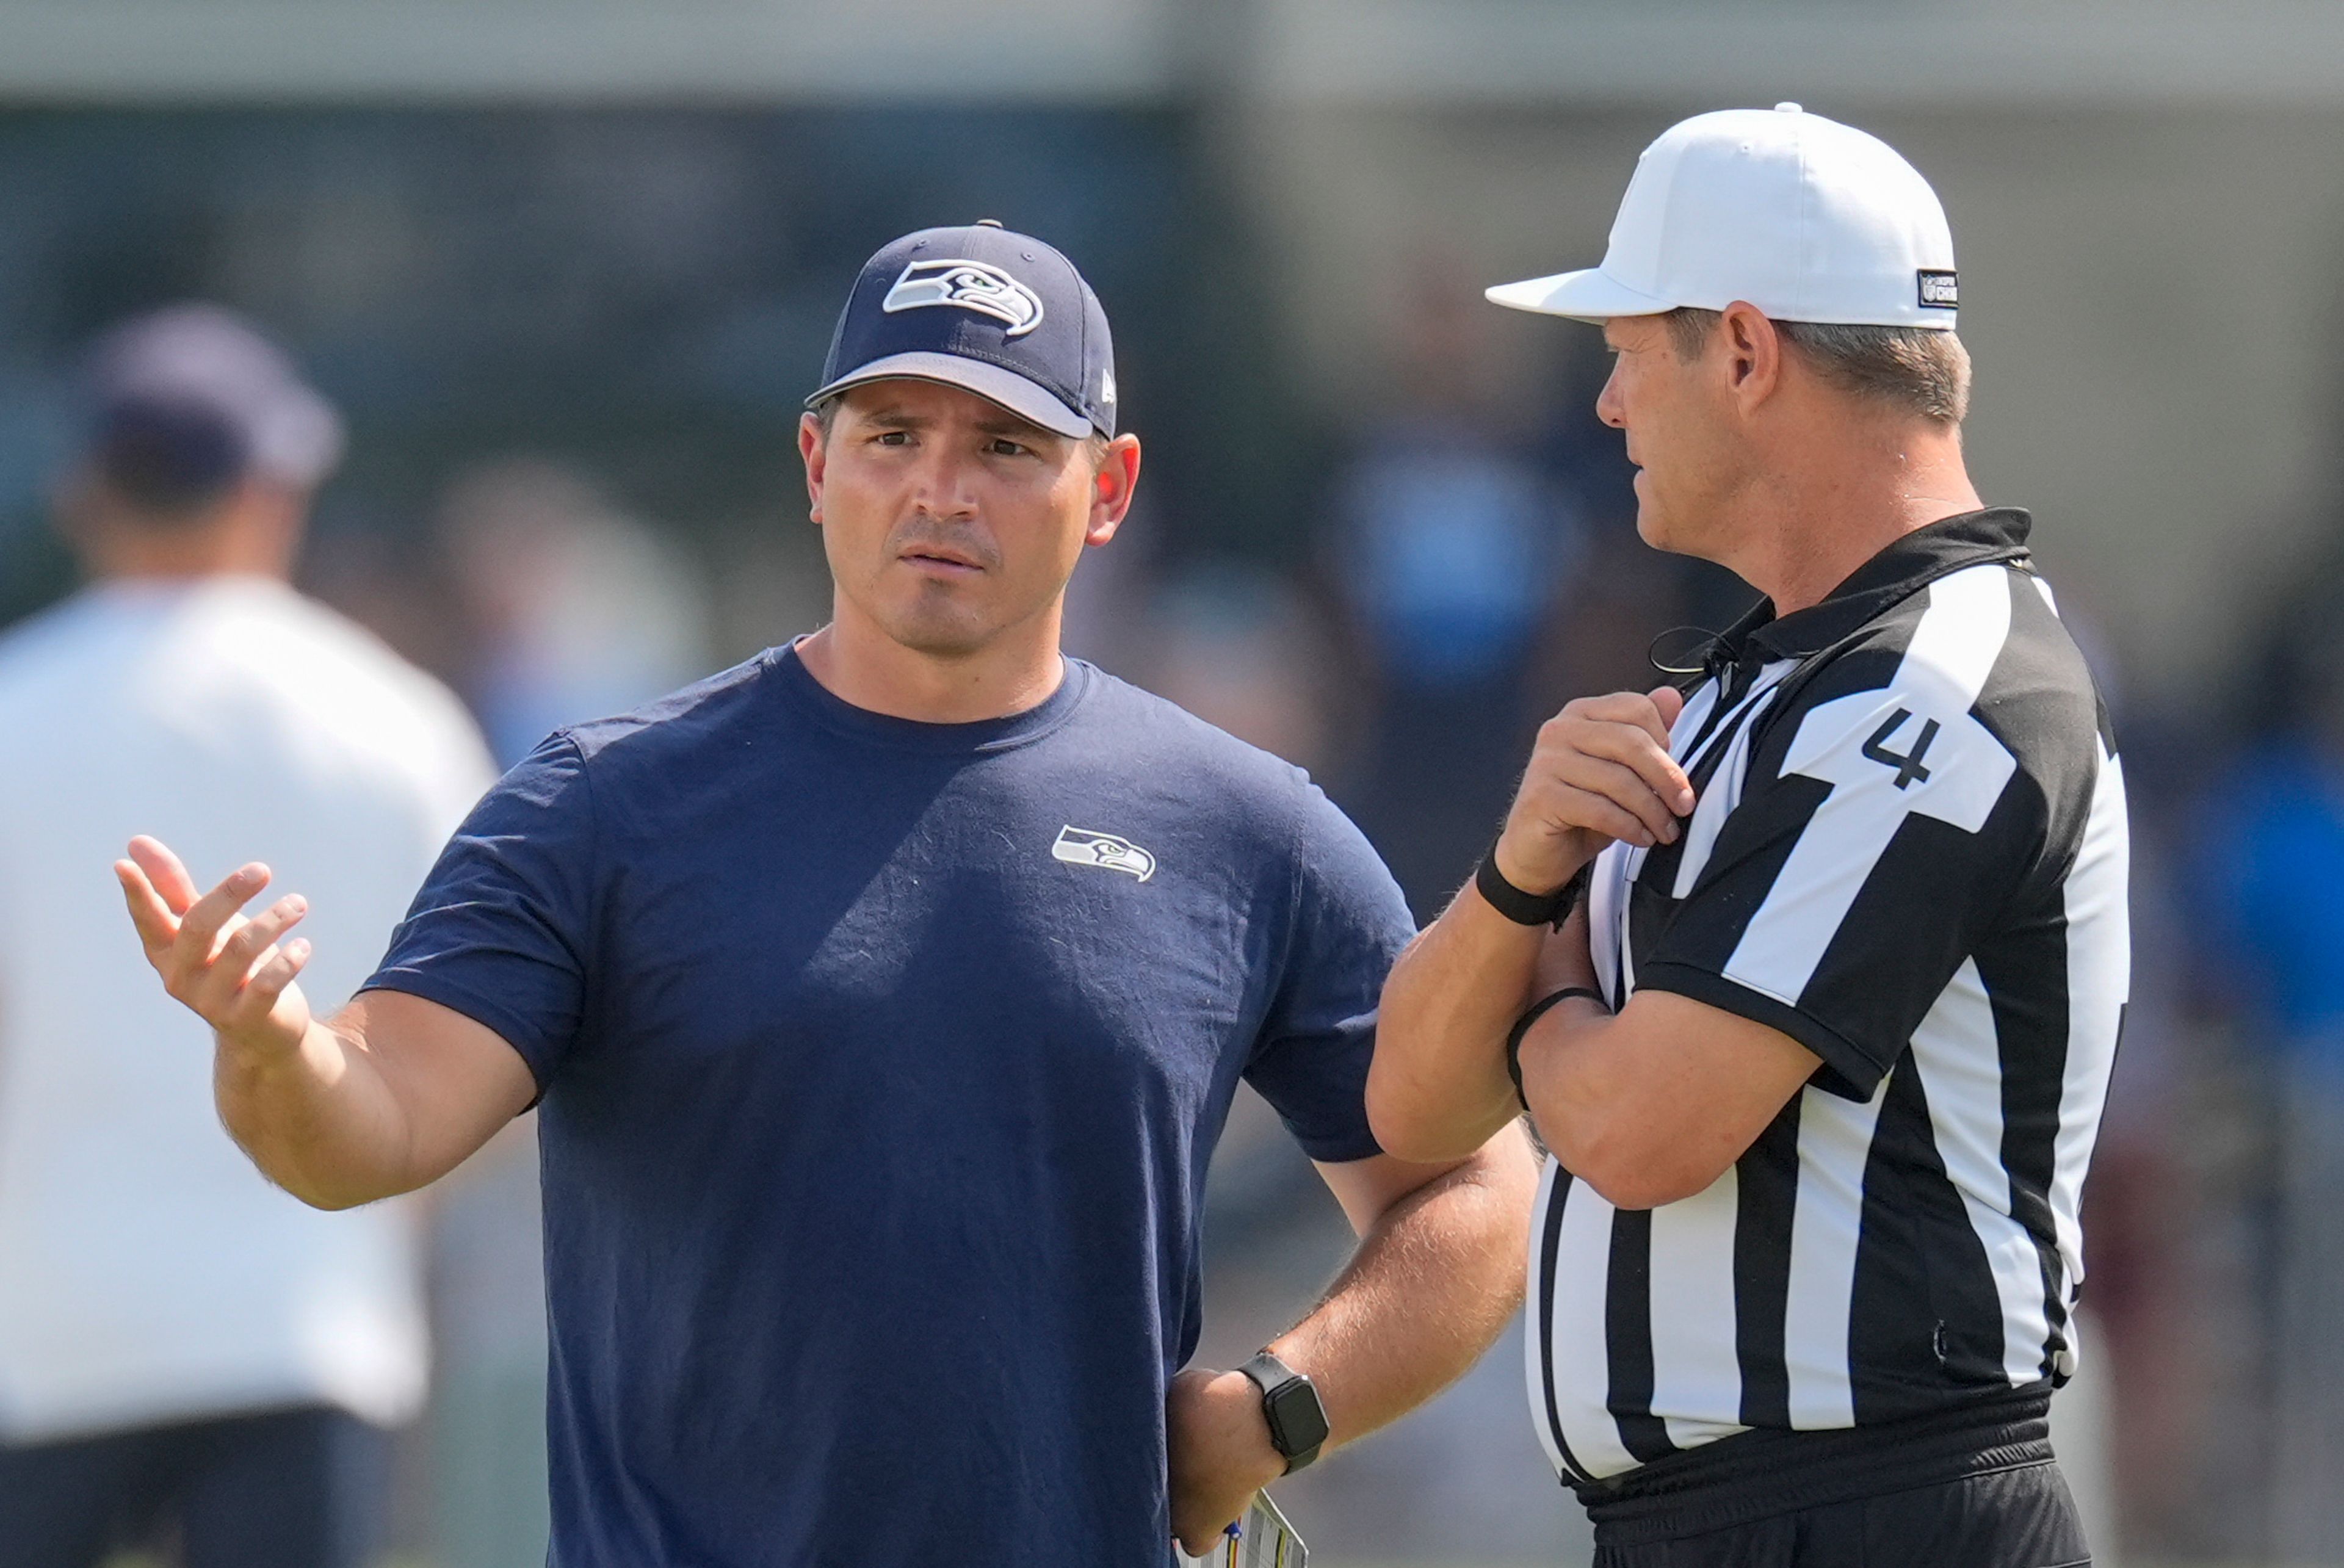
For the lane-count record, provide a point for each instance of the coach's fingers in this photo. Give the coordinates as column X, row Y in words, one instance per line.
column 166, row 871
column 248, row 946
column 155, row 922
column 266, row 987
column 1620, row 785
column 200, row 926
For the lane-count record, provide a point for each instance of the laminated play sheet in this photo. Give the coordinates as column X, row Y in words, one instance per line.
column 1263, row 1540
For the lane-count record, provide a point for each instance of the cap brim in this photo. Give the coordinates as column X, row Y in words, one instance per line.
column 1029, row 401
column 1590, row 295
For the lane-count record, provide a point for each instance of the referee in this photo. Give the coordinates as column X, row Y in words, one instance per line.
column 1822, row 1052
column 884, row 998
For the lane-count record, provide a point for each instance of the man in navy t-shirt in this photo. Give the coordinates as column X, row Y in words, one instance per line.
column 884, row 998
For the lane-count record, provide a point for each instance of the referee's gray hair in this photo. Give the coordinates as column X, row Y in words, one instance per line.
column 1918, row 370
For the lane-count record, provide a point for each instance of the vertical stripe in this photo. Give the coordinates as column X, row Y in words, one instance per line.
column 1721, row 791
column 1957, row 1056
column 1582, row 1359
column 2099, row 980
column 1692, row 1311
column 1834, row 1143
column 1692, row 719
column 1628, row 1326
column 1607, row 920
column 1924, row 1318
column 1538, row 1345
column 1953, row 648
column 1766, row 1185
column 1714, row 761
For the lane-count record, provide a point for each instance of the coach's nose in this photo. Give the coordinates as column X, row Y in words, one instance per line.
column 944, row 482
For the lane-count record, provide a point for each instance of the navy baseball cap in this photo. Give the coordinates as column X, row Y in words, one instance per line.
column 986, row 309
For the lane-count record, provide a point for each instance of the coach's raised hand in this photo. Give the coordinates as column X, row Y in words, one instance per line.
column 230, row 970
column 391, row 1093
column 1601, row 771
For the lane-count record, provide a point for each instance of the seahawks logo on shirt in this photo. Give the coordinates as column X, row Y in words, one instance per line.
column 971, row 286
column 1081, row 847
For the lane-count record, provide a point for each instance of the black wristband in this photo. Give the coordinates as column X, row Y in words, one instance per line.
column 1525, row 908
column 1522, row 1027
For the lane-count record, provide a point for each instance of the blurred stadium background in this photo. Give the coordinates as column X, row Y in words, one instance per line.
column 568, row 266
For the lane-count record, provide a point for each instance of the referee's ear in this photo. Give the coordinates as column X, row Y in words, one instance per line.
column 1754, row 353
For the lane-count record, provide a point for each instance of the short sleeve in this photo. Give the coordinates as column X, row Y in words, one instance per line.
column 1350, row 923
column 1867, row 856
column 500, row 931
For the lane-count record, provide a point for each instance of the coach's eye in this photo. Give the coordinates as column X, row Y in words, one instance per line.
column 1003, row 447
column 893, row 438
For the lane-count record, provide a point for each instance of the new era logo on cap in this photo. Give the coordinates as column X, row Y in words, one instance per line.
column 1940, row 291
column 986, row 309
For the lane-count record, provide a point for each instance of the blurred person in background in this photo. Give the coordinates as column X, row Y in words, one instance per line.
column 886, row 996
column 1242, row 651
column 576, row 610
column 187, row 1354
column 2275, row 870
column 1450, row 544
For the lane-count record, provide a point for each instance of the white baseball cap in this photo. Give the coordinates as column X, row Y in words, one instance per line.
column 1806, row 219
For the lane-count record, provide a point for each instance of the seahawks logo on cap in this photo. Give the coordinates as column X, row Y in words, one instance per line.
column 1081, row 847
column 971, row 286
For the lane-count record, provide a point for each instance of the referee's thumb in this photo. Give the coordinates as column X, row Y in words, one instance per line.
column 1670, row 700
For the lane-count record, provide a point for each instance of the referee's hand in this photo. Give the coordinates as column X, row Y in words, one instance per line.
column 1601, row 771
column 231, row 970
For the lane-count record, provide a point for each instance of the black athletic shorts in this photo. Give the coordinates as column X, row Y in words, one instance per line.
column 1970, row 1487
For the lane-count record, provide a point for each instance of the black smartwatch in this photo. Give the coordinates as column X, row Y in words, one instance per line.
column 1297, row 1421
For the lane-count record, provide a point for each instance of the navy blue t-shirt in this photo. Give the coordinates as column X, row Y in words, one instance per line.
column 881, row 1065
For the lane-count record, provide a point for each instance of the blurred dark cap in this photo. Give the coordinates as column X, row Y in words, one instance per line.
column 189, row 401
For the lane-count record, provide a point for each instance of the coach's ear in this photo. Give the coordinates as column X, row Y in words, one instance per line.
column 1112, row 488
column 811, row 447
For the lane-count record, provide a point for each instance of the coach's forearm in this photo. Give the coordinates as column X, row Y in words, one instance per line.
column 319, row 1121
column 1434, row 1282
column 1438, row 1087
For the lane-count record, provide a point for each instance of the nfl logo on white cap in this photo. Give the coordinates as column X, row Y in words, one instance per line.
column 1804, row 217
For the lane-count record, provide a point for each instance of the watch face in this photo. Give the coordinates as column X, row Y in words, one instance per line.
column 1298, row 1422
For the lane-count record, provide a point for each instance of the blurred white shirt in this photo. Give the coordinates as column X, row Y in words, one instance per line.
column 147, row 1272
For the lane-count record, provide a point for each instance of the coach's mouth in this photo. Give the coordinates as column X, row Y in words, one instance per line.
column 938, row 561
column 942, row 558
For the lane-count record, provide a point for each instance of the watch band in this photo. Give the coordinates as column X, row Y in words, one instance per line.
column 1525, row 908
column 1521, row 1030
column 1290, row 1403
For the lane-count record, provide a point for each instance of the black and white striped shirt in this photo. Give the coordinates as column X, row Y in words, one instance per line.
column 1909, row 854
